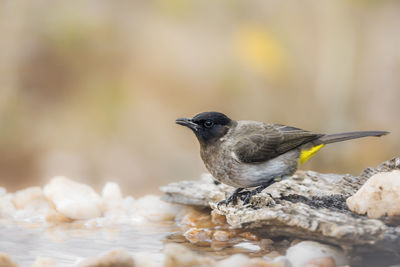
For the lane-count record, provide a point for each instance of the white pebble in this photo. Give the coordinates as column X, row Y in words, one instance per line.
column 307, row 251
column 27, row 196
column 72, row 199
column 7, row 208
column 111, row 192
column 379, row 196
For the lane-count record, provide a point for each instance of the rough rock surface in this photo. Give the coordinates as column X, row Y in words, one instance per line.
column 310, row 205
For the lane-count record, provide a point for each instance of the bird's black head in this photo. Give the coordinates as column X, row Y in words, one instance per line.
column 207, row 126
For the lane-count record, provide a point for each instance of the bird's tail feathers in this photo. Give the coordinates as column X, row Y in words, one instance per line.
column 339, row 137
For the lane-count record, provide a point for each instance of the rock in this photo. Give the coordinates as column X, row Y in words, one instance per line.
column 218, row 219
column 6, row 261
column 30, row 204
column 72, row 199
column 198, row 235
column 309, row 252
column 111, row 192
column 28, row 196
column 117, row 257
column 7, row 208
column 194, row 193
column 222, row 236
column 44, row 262
column 249, row 236
column 179, row 256
column 307, row 206
column 379, row 196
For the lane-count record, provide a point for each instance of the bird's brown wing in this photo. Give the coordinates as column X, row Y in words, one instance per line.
column 269, row 141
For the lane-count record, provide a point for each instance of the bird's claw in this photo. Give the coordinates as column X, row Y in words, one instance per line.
column 226, row 202
column 232, row 198
column 245, row 196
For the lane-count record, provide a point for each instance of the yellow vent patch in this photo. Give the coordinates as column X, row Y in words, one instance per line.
column 307, row 154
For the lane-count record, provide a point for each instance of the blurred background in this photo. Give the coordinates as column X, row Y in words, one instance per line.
column 91, row 89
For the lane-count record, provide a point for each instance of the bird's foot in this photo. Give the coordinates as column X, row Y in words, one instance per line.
column 233, row 198
column 245, row 196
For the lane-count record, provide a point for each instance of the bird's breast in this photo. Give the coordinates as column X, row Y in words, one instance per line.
column 227, row 169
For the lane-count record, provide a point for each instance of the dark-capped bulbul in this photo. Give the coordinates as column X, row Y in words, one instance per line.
column 247, row 154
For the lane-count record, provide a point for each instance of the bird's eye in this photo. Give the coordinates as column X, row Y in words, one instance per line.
column 208, row 124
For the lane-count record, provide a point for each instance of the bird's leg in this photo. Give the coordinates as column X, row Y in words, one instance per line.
column 232, row 198
column 248, row 194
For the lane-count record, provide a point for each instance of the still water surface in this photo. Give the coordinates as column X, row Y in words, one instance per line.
column 69, row 246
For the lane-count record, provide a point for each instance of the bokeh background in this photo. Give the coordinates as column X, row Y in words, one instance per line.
column 91, row 89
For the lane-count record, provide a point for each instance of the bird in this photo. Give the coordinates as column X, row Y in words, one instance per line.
column 249, row 154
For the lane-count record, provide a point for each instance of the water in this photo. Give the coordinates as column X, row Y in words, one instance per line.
column 69, row 246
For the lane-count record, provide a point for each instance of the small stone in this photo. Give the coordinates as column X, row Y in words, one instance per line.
column 198, row 235
column 179, row 256
column 222, row 236
column 249, row 236
column 6, row 261
column 218, row 219
column 307, row 251
column 72, row 199
column 26, row 196
column 7, row 208
column 111, row 192
column 44, row 262
column 379, row 196
column 117, row 257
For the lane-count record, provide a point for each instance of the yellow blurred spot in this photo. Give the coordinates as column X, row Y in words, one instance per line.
column 261, row 50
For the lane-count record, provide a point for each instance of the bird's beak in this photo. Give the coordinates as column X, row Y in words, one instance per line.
column 188, row 123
